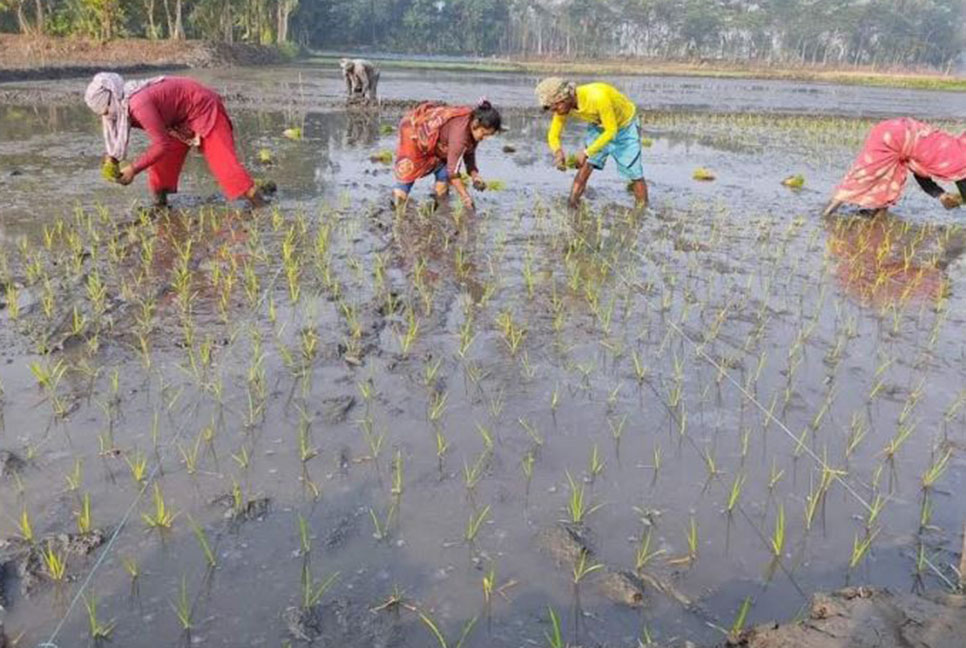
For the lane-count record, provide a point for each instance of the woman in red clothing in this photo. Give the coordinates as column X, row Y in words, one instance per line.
column 439, row 139
column 176, row 113
column 892, row 149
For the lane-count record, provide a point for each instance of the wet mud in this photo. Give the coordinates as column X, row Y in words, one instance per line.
column 860, row 617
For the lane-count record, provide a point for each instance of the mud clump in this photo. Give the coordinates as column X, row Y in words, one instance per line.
column 621, row 587
column 336, row 410
column 249, row 510
column 10, row 463
column 25, row 560
column 565, row 542
column 343, row 623
column 859, row 617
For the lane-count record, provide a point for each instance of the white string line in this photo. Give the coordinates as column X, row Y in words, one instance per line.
column 110, row 544
column 722, row 371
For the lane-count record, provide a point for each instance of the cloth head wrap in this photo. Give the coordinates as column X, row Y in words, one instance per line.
column 109, row 96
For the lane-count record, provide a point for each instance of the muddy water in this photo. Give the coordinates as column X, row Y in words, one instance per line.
column 717, row 279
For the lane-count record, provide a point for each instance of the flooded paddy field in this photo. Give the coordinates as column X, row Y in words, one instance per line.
column 330, row 422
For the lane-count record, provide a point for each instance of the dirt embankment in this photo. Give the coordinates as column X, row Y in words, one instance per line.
column 860, row 617
column 31, row 57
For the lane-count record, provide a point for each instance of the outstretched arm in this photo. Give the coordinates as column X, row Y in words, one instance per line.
column 928, row 185
column 948, row 199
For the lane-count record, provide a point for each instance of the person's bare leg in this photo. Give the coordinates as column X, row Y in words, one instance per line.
column 831, row 208
column 639, row 187
column 399, row 197
column 580, row 185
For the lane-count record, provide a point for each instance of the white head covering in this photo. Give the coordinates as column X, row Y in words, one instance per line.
column 109, row 96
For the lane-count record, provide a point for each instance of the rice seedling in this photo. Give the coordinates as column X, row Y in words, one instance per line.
column 486, row 436
column 183, row 608
column 703, row 174
column 312, row 590
column 734, row 495
column 203, row 542
column 382, row 157
column 643, row 554
column 131, row 567
column 294, row 133
column 407, row 338
column 24, row 527
column 640, row 369
column 555, row 636
column 438, row 635
column 738, row 625
column 531, row 431
column 397, row 475
column 55, row 563
column 526, row 464
column 578, row 507
column 84, row 517
column 75, row 477
column 442, row 446
column 595, row 464
column 796, row 181
column 190, row 455
column 691, row 536
column 162, row 518
column 96, row 629
column 138, row 465
column 583, row 568
column 474, row 523
column 903, row 432
column 936, row 470
column 778, row 534
column 860, row 548
column 473, row 473
column 693, row 539
column 242, row 458
column 437, row 406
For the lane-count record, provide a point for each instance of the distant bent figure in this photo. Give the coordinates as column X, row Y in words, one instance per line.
column 892, row 149
column 177, row 113
column 361, row 79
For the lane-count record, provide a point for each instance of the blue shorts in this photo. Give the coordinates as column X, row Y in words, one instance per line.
column 442, row 175
column 625, row 148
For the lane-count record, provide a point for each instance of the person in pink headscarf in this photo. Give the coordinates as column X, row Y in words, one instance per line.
column 892, row 149
column 177, row 113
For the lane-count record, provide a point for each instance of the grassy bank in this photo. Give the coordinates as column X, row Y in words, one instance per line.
column 30, row 57
column 922, row 80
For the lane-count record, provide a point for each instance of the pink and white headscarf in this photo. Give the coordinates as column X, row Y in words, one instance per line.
column 109, row 96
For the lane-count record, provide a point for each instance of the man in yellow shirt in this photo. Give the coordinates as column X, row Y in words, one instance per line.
column 612, row 131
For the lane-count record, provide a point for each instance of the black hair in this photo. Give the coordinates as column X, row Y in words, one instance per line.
column 487, row 116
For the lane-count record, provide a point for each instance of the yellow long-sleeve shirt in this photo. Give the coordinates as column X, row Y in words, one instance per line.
column 598, row 103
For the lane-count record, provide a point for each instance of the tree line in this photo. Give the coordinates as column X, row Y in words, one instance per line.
column 840, row 32
column 253, row 21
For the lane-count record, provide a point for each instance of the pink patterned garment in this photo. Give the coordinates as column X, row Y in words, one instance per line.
column 892, row 149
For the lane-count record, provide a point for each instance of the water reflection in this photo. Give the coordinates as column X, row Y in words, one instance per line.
column 886, row 261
